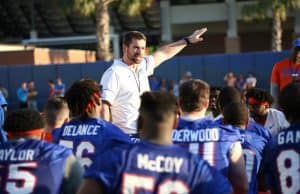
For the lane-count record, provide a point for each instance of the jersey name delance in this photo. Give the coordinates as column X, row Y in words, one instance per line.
column 203, row 135
column 159, row 163
column 20, row 155
column 76, row 130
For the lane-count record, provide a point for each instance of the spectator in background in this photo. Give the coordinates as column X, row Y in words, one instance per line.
column 22, row 93
column 250, row 81
column 51, row 91
column 186, row 77
column 174, row 88
column 285, row 71
column 154, row 83
column 59, row 87
column 230, row 79
column 259, row 102
column 4, row 91
column 31, row 96
column 240, row 82
column 164, row 85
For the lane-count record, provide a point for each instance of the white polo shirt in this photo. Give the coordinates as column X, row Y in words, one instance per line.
column 276, row 121
column 122, row 88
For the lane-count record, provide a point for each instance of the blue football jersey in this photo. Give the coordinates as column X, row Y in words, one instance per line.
column 209, row 140
column 282, row 161
column 258, row 129
column 253, row 148
column 32, row 166
column 88, row 137
column 146, row 168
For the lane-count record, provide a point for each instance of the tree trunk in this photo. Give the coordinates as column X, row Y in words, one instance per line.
column 276, row 32
column 103, row 36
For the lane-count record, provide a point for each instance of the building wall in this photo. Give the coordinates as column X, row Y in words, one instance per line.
column 210, row 68
column 44, row 56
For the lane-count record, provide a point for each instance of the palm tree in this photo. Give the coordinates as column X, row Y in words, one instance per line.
column 278, row 9
column 100, row 9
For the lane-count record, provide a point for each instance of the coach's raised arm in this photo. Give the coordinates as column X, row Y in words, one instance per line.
column 127, row 78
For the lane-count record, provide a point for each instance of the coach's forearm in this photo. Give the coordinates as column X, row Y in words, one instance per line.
column 105, row 111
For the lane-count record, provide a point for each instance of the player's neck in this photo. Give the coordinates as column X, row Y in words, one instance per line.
column 158, row 135
column 161, row 141
column 194, row 114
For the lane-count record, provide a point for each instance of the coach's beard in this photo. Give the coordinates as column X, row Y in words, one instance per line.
column 137, row 59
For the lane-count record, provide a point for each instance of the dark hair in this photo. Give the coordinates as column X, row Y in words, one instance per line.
column 260, row 95
column 228, row 95
column 294, row 53
column 289, row 100
column 129, row 36
column 235, row 113
column 158, row 105
column 50, row 81
column 23, row 120
column 83, row 95
column 193, row 94
column 53, row 107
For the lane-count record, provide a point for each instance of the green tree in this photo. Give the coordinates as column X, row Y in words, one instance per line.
column 278, row 10
column 100, row 9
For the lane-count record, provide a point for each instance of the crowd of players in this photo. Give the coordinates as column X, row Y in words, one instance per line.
column 244, row 147
column 231, row 153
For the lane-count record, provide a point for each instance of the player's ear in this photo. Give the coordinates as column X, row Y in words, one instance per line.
column 176, row 120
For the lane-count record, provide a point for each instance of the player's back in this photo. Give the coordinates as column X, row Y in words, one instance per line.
column 253, row 148
column 208, row 139
column 32, row 166
column 87, row 137
column 258, row 129
column 155, row 168
column 282, row 164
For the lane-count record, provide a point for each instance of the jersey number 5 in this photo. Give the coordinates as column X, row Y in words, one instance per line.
column 19, row 179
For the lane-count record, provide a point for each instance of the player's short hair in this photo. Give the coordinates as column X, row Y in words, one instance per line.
column 23, row 120
column 129, row 36
column 235, row 113
column 289, row 100
column 158, row 105
column 53, row 109
column 193, row 94
column 82, row 96
column 294, row 53
column 260, row 95
column 228, row 95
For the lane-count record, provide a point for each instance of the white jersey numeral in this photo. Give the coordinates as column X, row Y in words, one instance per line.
column 20, row 181
column 132, row 183
column 249, row 156
column 83, row 147
column 288, row 164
